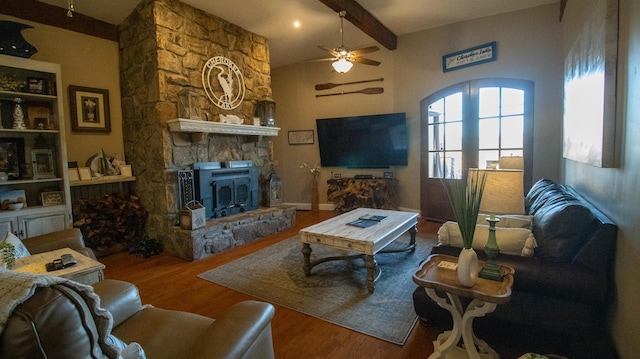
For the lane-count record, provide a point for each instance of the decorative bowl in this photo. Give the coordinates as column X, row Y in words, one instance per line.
column 16, row 205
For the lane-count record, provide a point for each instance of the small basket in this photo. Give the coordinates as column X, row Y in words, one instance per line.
column 192, row 216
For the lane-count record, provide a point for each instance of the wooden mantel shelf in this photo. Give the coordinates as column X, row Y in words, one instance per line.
column 195, row 126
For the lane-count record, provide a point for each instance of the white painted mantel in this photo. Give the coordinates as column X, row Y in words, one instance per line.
column 199, row 126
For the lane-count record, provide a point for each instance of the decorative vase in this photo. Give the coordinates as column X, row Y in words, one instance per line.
column 468, row 267
column 315, row 197
column 18, row 116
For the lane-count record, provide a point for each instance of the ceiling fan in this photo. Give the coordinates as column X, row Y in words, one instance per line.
column 343, row 58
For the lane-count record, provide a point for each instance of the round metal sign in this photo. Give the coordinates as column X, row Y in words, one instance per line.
column 223, row 82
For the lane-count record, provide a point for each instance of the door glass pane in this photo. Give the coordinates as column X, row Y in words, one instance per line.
column 484, row 156
column 489, row 102
column 512, row 132
column 435, row 165
column 453, row 165
column 436, row 110
column 512, row 101
column 436, row 137
column 489, row 133
column 453, row 136
column 453, row 107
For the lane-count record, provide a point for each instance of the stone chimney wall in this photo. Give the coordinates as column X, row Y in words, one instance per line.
column 164, row 45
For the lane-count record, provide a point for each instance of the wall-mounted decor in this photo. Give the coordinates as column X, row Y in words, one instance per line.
column 89, row 108
column 11, row 156
column 469, row 57
column 304, row 137
column 589, row 118
column 43, row 163
column 223, row 82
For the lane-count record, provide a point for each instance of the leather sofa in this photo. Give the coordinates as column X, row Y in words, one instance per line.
column 567, row 286
column 56, row 322
column 67, row 238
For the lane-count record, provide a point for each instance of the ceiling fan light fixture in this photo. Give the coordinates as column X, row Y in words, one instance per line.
column 342, row 66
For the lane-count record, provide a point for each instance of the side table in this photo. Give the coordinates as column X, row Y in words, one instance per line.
column 87, row 271
column 485, row 294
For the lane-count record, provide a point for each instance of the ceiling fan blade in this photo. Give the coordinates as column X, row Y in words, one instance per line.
column 362, row 60
column 318, row 60
column 364, row 50
column 331, row 51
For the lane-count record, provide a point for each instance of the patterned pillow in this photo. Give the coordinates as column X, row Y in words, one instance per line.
column 21, row 250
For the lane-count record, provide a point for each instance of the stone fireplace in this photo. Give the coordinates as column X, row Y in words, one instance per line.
column 164, row 45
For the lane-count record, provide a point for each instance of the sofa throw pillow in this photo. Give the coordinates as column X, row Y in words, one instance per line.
column 514, row 241
column 20, row 249
column 508, row 220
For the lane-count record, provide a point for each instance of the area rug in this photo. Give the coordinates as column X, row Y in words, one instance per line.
column 336, row 291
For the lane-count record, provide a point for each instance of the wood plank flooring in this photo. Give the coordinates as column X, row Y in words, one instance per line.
column 169, row 282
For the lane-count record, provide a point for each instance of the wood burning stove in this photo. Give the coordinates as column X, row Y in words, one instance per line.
column 226, row 191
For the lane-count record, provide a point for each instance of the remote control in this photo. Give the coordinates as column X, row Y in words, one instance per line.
column 68, row 260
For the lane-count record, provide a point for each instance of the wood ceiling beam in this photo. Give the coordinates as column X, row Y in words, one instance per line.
column 43, row 13
column 364, row 21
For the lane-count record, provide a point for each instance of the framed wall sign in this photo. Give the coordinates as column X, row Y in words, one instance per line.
column 43, row 165
column 89, row 108
column 304, row 137
column 469, row 57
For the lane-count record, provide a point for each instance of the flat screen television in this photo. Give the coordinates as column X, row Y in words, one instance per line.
column 373, row 141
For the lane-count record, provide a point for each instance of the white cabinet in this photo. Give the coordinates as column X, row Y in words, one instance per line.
column 33, row 156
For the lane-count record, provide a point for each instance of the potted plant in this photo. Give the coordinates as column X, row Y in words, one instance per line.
column 465, row 197
column 7, row 254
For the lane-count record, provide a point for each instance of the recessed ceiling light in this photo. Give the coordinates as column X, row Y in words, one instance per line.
column 296, row 24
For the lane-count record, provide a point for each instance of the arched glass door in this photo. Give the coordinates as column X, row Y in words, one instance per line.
column 472, row 125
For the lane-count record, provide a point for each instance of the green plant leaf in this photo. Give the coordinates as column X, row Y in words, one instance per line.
column 465, row 197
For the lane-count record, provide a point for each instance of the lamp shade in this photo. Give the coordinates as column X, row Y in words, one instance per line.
column 342, row 65
column 503, row 191
column 511, row 163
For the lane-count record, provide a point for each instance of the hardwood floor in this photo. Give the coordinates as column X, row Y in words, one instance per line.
column 169, row 282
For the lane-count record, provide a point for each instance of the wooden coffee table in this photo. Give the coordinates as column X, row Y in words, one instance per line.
column 485, row 294
column 87, row 271
column 368, row 242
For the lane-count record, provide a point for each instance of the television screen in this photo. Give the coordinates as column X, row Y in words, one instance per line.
column 374, row 141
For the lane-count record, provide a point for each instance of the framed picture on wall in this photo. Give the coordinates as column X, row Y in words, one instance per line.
column 303, row 137
column 89, row 108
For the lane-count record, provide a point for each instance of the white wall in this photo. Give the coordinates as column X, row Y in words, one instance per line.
column 617, row 190
column 529, row 47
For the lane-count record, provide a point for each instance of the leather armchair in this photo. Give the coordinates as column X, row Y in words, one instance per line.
column 55, row 322
column 68, row 238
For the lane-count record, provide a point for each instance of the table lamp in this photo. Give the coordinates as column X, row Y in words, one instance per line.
column 503, row 194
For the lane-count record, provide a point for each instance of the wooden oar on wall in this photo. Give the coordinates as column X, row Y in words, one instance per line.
column 367, row 91
column 330, row 85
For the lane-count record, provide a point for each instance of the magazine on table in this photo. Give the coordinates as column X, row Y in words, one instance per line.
column 363, row 223
column 372, row 217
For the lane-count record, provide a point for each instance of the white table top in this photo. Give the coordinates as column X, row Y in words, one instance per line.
column 374, row 238
column 36, row 264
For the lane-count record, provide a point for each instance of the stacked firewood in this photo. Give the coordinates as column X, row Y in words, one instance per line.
column 112, row 223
